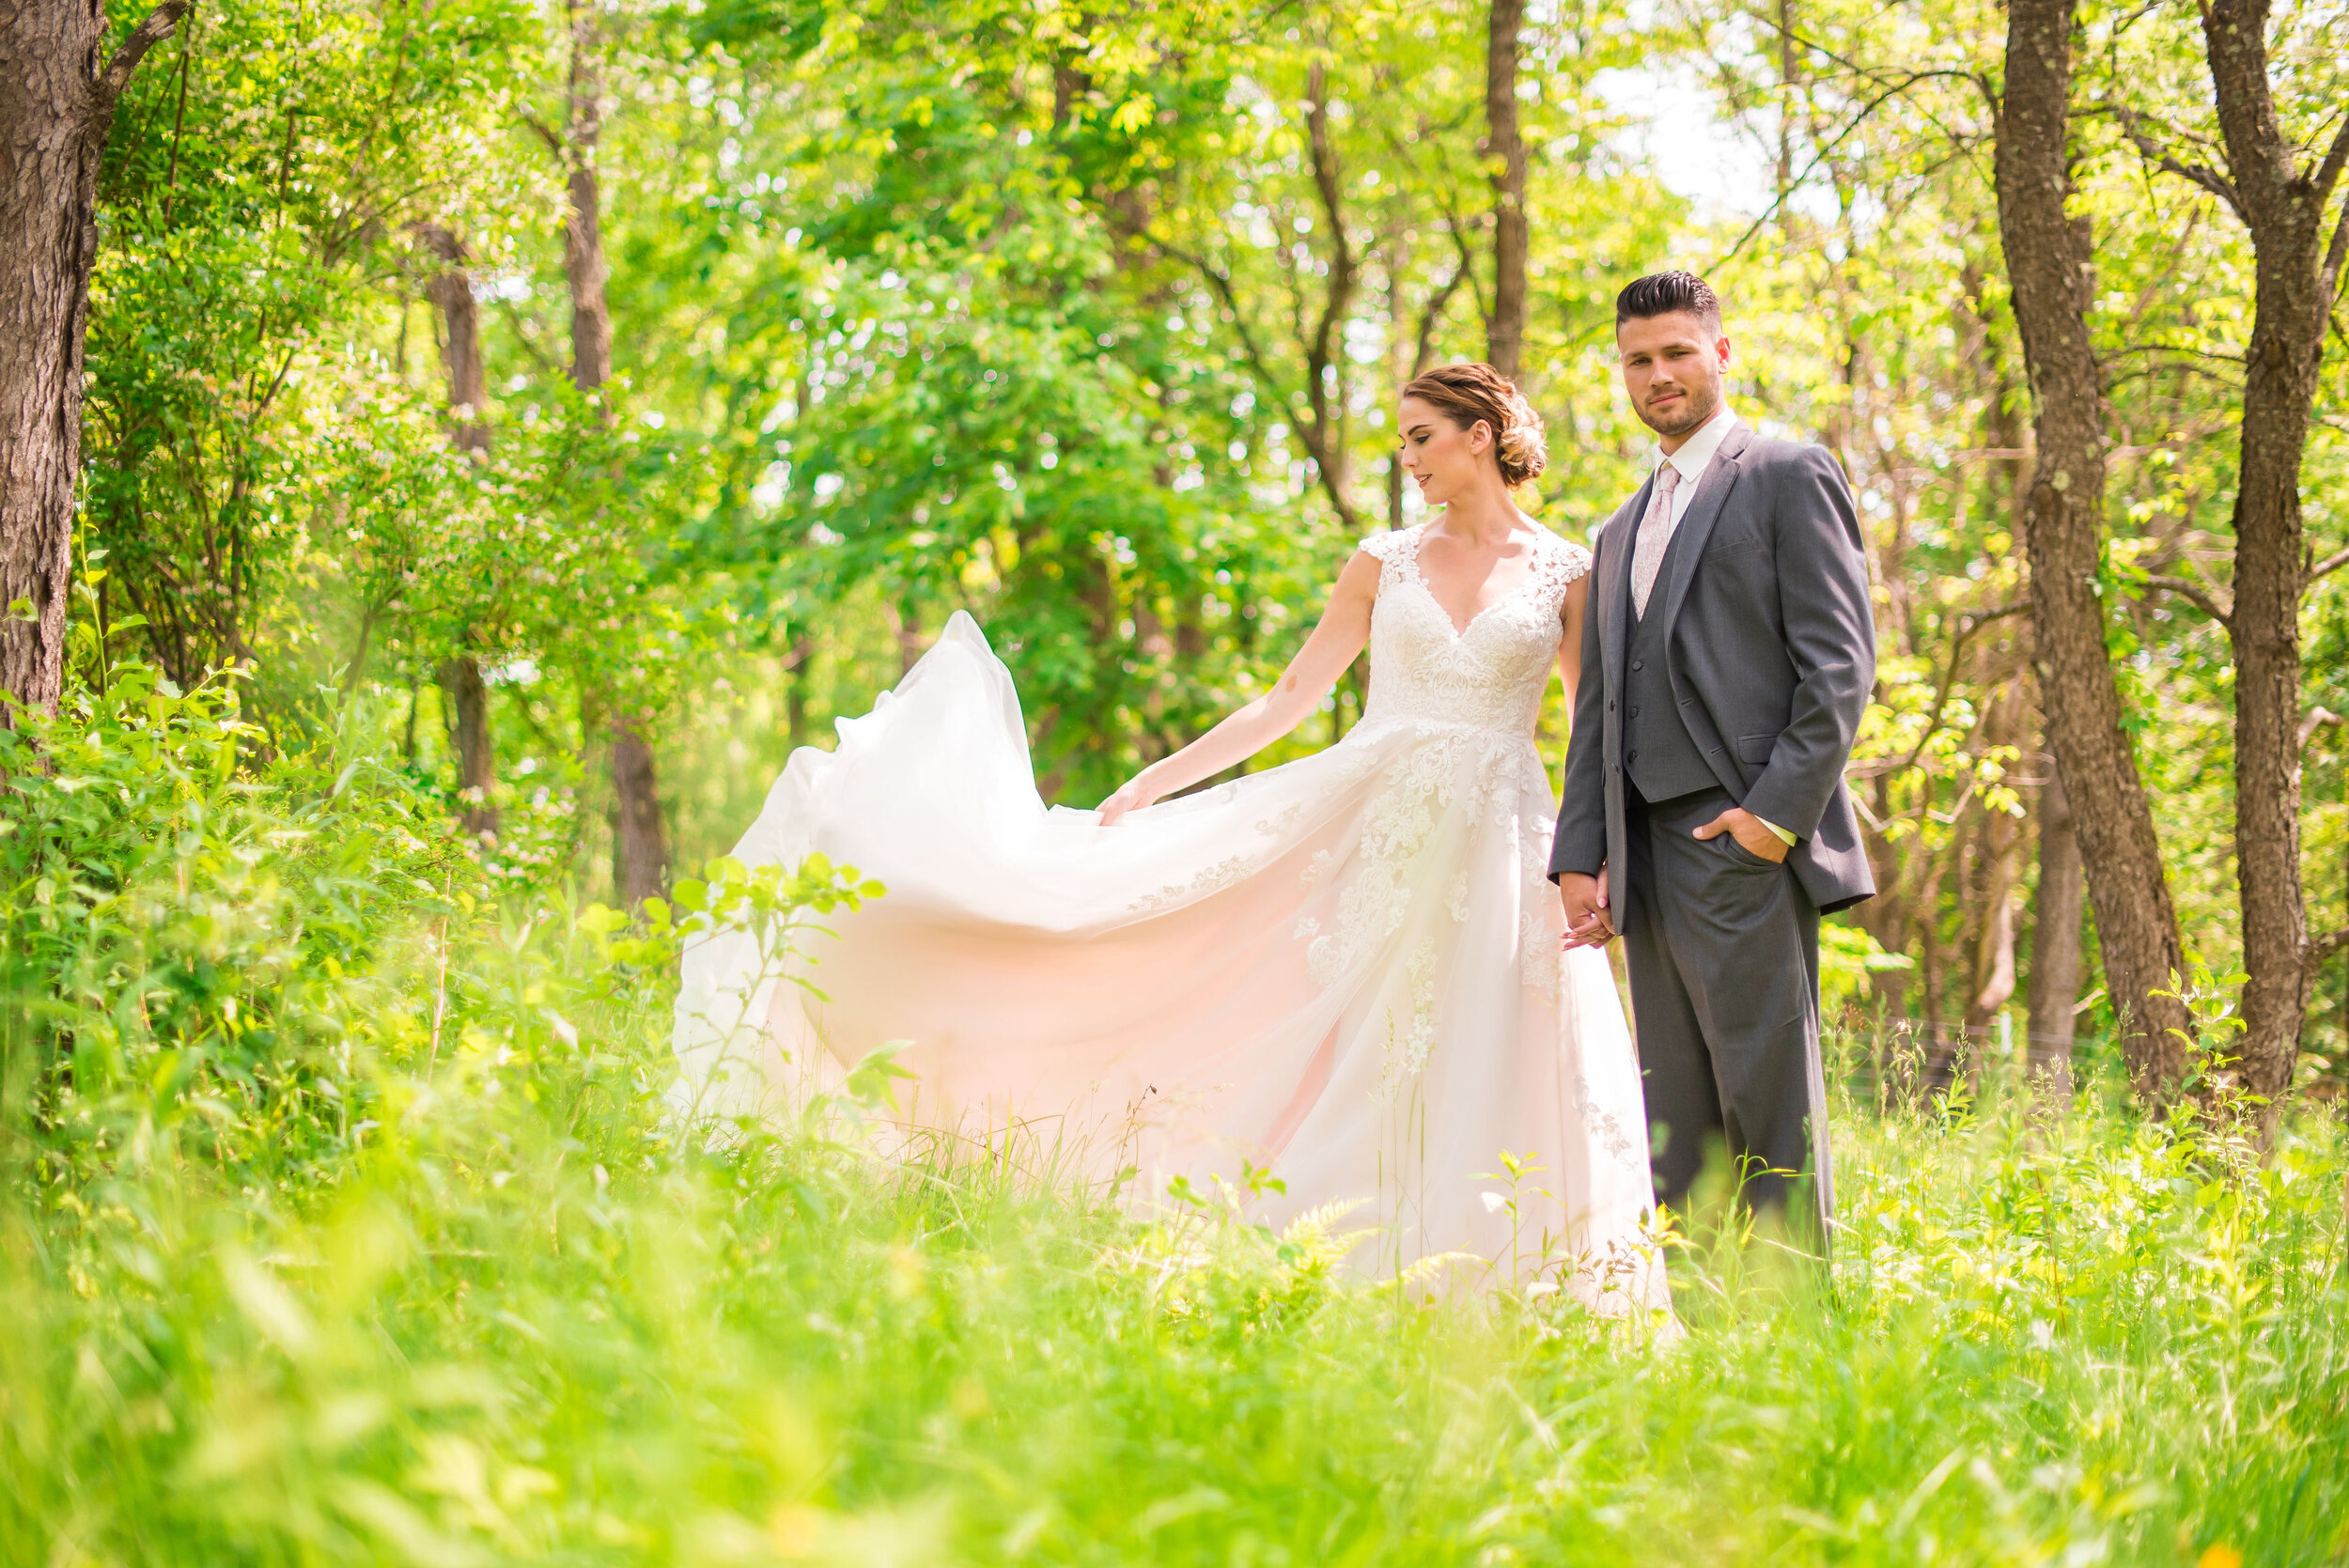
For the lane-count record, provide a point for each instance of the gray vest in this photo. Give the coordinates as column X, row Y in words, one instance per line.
column 1657, row 754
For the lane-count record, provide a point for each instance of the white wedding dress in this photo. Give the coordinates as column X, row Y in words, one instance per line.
column 1345, row 970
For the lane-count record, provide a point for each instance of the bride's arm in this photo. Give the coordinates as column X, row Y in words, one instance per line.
column 1570, row 613
column 1570, row 646
column 1344, row 628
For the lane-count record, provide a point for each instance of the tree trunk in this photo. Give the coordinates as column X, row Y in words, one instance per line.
column 58, row 96
column 640, row 850
column 476, row 762
column 800, row 665
column 906, row 626
column 2047, row 258
column 640, row 855
column 1324, row 430
column 1504, row 155
column 2055, row 943
column 2285, row 209
column 451, row 291
column 2001, row 849
column 582, row 225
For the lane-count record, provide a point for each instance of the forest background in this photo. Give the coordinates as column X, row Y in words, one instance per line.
column 1089, row 324
column 506, row 429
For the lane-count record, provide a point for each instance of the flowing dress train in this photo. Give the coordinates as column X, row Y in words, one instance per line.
column 1345, row 970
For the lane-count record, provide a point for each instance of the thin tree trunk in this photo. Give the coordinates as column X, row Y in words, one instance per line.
column 640, row 849
column 2001, row 843
column 476, row 762
column 2055, row 943
column 583, row 226
column 640, row 855
column 2296, row 276
column 1504, row 154
column 451, row 291
column 2047, row 258
column 57, row 95
column 1399, row 371
column 1324, row 434
column 907, row 626
column 800, row 665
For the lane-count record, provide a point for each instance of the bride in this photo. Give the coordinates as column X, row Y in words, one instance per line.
column 1346, row 970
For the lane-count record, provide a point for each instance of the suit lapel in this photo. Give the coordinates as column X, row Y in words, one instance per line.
column 1616, row 545
column 1696, row 526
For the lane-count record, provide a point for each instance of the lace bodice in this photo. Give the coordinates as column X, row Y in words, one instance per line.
column 1487, row 677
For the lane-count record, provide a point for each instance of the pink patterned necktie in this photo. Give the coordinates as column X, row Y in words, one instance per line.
column 1655, row 532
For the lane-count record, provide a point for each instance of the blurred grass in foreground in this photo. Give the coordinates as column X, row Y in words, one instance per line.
column 343, row 1226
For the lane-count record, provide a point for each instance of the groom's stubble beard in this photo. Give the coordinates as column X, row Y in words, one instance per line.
column 1701, row 403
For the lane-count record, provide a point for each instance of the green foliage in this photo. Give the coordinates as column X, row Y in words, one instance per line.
column 346, row 1219
column 1086, row 322
column 187, row 932
column 255, row 171
column 506, row 1315
column 1849, row 958
column 768, row 900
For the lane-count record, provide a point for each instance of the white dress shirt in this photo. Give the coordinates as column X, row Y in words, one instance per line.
column 1694, row 457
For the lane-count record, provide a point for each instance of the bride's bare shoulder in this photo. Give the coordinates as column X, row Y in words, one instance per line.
column 1359, row 578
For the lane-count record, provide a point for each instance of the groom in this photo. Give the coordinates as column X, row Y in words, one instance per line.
column 1727, row 656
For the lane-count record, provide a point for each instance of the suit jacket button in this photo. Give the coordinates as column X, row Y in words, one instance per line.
column 1635, row 713
column 1631, row 757
column 1639, row 664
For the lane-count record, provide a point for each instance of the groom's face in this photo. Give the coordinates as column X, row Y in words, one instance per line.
column 1673, row 367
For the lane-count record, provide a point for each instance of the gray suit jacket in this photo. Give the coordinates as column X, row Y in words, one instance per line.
column 1772, row 653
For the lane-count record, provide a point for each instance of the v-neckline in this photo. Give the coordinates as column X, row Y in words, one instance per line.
column 1459, row 633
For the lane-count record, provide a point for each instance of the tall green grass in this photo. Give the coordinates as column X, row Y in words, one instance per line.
column 344, row 1225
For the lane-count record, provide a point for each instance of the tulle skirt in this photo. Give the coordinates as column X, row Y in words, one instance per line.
column 1343, row 971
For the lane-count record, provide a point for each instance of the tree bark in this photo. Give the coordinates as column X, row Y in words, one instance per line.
column 2047, row 258
column 799, row 666
column 1324, row 434
column 2001, row 849
column 2296, row 277
column 640, row 849
column 58, row 89
column 2055, row 943
column 451, row 291
column 1504, row 155
column 477, row 761
column 639, row 854
column 582, row 225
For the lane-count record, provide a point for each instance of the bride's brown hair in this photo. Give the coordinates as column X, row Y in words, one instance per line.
column 1467, row 392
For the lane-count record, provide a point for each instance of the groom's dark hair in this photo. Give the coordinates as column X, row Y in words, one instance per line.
column 1664, row 294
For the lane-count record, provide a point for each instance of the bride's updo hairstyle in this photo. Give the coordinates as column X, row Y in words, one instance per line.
column 1465, row 394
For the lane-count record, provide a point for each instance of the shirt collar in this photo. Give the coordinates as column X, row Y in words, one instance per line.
column 1698, row 450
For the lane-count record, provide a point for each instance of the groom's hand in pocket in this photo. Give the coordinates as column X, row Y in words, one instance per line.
column 1750, row 833
column 1588, row 919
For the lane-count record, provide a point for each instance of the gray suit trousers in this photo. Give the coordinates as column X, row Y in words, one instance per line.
column 1723, row 950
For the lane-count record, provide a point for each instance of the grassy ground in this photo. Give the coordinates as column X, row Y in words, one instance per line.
column 343, row 1226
